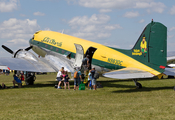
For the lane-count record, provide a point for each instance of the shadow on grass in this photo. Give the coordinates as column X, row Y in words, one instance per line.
column 144, row 89
column 132, row 88
column 48, row 84
column 107, row 83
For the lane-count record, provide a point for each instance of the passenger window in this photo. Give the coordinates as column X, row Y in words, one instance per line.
column 63, row 52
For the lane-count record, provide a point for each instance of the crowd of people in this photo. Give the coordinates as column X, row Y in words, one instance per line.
column 17, row 79
column 5, row 72
column 62, row 76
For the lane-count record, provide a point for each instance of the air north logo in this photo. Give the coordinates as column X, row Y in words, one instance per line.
column 143, row 48
column 51, row 41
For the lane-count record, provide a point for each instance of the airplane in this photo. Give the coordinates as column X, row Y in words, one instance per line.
column 148, row 57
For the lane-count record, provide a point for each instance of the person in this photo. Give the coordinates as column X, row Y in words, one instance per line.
column 64, row 75
column 66, row 80
column 60, row 77
column 86, row 64
column 22, row 77
column 89, row 80
column 77, row 80
column 3, row 86
column 0, row 71
column 7, row 72
column 93, row 79
column 17, row 81
column 4, row 71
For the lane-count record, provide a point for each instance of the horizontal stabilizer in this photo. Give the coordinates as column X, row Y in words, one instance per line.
column 128, row 73
column 171, row 65
column 169, row 71
column 171, row 56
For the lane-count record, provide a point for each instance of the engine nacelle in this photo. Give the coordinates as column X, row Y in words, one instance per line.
column 21, row 53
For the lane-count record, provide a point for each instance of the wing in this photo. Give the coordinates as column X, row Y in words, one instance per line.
column 58, row 61
column 22, row 64
column 51, row 62
column 28, row 62
column 128, row 73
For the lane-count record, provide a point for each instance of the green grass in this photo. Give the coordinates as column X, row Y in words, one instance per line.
column 118, row 99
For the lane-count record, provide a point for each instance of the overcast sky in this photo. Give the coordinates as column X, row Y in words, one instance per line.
column 116, row 23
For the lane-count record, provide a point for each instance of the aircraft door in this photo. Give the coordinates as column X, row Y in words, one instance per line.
column 90, row 51
column 79, row 55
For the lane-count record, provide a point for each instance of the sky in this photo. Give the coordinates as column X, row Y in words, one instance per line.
column 115, row 23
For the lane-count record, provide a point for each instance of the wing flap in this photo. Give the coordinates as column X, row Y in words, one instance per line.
column 128, row 73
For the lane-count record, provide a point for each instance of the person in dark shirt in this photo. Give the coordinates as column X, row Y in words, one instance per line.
column 86, row 65
column 77, row 80
column 66, row 81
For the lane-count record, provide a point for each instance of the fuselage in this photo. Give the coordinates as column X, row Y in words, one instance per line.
column 104, row 56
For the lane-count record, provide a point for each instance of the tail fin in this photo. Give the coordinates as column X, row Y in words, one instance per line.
column 151, row 47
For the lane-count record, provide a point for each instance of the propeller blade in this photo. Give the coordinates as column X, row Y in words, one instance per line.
column 7, row 49
column 29, row 48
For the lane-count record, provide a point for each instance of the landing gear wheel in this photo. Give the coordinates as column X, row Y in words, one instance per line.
column 138, row 85
column 174, row 88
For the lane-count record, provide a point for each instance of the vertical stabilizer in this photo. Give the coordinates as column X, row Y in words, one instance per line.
column 151, row 46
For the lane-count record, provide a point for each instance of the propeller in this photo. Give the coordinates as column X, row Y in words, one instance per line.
column 7, row 49
column 10, row 51
column 27, row 49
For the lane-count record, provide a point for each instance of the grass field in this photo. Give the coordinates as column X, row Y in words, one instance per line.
column 117, row 100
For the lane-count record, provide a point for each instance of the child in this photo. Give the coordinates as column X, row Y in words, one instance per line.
column 89, row 80
column 66, row 80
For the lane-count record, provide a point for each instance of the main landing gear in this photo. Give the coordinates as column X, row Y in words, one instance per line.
column 138, row 85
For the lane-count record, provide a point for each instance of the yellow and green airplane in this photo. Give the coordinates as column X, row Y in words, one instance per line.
column 146, row 59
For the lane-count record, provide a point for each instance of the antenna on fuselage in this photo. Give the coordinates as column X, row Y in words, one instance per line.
column 62, row 31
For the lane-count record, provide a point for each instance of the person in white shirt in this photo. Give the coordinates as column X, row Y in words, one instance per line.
column 60, row 77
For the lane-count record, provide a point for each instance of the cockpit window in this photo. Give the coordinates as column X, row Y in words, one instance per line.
column 33, row 37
